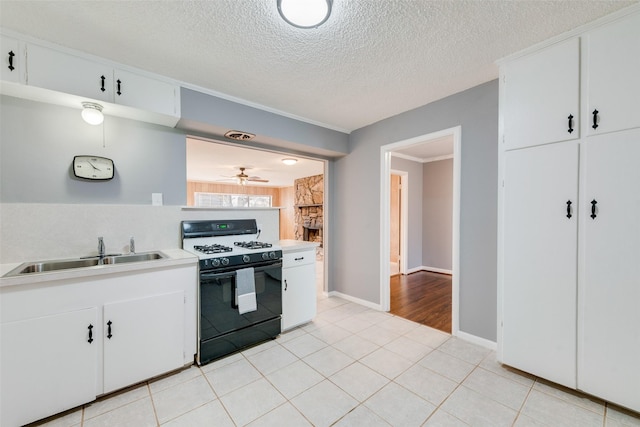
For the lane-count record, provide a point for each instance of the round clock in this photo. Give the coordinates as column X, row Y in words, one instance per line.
column 93, row 168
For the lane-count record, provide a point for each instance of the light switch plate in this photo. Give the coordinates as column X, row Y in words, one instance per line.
column 156, row 199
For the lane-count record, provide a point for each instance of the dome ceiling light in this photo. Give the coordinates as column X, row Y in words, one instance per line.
column 305, row 13
column 92, row 113
column 289, row 161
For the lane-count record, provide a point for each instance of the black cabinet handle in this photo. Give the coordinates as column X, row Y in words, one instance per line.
column 593, row 209
column 102, row 79
column 119, row 92
column 11, row 55
column 568, row 208
column 595, row 119
column 286, row 285
column 570, row 123
column 90, row 340
column 298, row 259
column 109, row 329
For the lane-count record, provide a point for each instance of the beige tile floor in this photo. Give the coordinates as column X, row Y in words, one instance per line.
column 352, row 366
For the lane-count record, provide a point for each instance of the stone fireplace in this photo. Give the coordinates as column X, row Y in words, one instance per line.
column 308, row 219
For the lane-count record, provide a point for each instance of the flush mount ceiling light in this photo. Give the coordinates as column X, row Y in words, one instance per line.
column 92, row 113
column 289, row 161
column 305, row 13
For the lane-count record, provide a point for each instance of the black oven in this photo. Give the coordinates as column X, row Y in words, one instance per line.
column 222, row 329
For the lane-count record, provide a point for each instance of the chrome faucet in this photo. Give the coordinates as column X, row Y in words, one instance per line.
column 132, row 246
column 100, row 247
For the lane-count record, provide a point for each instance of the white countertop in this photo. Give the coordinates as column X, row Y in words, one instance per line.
column 174, row 257
column 296, row 245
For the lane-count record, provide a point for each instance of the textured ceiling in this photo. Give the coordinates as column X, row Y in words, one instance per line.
column 372, row 59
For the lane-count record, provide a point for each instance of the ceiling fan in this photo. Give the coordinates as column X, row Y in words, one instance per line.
column 242, row 178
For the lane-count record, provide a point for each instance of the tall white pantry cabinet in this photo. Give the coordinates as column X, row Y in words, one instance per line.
column 569, row 210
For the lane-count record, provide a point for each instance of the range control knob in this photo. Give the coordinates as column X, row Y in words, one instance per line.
column 272, row 255
column 225, row 261
column 215, row 262
column 246, row 258
column 265, row 255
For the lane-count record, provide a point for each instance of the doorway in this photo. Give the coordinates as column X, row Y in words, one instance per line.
column 453, row 134
column 397, row 221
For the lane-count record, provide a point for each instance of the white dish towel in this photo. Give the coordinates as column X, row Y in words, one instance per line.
column 246, row 290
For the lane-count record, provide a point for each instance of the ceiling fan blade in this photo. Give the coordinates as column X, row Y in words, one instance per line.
column 257, row 180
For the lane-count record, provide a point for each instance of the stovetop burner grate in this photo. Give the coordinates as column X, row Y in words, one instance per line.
column 253, row 245
column 213, row 249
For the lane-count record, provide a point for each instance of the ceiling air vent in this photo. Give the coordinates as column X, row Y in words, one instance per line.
column 239, row 136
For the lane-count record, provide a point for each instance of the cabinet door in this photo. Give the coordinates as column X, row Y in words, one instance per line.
column 298, row 295
column 145, row 93
column 143, row 339
column 541, row 92
column 50, row 69
column 12, row 66
column 48, row 365
column 613, row 75
column 609, row 340
column 540, row 258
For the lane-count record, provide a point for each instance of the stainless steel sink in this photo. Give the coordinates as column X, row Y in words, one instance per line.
column 132, row 258
column 41, row 267
column 69, row 264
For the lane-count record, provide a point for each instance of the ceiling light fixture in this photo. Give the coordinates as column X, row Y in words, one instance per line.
column 305, row 13
column 92, row 113
column 289, row 161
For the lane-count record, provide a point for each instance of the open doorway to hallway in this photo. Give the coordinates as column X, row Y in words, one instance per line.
column 425, row 291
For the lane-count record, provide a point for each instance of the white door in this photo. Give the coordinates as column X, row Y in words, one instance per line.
column 540, row 257
column 609, row 338
column 613, row 89
column 142, row 338
column 541, row 91
column 48, row 365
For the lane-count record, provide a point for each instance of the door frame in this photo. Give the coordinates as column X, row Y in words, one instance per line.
column 404, row 217
column 385, row 195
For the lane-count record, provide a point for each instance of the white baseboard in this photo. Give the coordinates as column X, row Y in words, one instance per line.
column 483, row 342
column 355, row 300
column 433, row 269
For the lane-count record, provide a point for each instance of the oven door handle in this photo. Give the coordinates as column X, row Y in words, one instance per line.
column 214, row 276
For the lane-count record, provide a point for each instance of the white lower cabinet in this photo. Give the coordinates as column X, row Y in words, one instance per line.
column 540, row 255
column 608, row 312
column 142, row 337
column 298, row 288
column 64, row 342
column 48, row 365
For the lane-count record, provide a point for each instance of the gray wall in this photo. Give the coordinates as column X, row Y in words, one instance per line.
column 210, row 115
column 437, row 213
column 414, row 214
column 38, row 142
column 355, row 260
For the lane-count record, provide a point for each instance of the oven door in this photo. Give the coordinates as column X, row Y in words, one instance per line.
column 222, row 329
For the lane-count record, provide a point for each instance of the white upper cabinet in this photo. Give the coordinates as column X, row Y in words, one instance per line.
column 61, row 72
column 542, row 94
column 12, row 68
column 70, row 79
column 613, row 67
column 144, row 93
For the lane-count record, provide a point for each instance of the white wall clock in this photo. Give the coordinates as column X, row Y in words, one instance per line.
column 93, row 168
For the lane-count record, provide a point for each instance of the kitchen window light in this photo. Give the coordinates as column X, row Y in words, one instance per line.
column 304, row 13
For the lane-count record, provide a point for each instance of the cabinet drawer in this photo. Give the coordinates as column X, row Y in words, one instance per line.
column 298, row 258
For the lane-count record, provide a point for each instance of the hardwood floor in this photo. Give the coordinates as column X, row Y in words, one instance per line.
column 423, row 297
